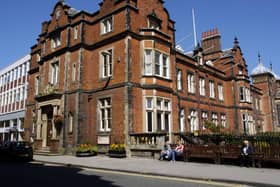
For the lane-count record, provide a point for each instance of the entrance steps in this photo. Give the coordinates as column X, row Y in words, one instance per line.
column 45, row 151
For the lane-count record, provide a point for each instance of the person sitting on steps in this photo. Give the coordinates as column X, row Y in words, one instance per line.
column 166, row 151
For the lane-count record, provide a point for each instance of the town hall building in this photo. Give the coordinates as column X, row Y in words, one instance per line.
column 104, row 78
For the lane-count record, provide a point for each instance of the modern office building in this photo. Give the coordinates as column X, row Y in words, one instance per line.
column 13, row 95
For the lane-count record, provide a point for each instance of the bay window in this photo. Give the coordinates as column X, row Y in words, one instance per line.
column 156, row 63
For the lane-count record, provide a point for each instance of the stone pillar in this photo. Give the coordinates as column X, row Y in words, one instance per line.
column 39, row 116
column 44, row 130
column 39, row 124
column 11, row 125
column 53, row 126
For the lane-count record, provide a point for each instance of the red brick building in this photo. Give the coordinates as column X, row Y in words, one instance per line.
column 266, row 80
column 102, row 77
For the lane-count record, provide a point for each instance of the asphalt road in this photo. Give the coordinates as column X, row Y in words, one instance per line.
column 14, row 174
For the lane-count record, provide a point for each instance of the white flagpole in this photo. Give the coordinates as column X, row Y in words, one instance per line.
column 194, row 29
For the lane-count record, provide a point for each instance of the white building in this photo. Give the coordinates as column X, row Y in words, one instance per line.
column 13, row 95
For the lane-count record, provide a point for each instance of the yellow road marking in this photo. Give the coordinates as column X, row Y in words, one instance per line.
column 202, row 181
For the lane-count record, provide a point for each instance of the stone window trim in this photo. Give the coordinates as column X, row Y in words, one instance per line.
column 104, row 114
column 191, row 81
column 179, row 79
column 106, row 59
column 156, row 63
column 202, row 86
column 157, row 113
column 221, row 92
column 154, row 22
column 212, row 93
column 106, row 25
column 182, row 120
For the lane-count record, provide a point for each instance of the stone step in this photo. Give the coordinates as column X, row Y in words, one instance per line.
column 46, row 152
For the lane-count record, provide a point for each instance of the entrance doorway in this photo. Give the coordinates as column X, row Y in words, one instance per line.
column 48, row 112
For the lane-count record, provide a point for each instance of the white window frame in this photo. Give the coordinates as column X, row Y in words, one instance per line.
column 191, row 83
column 223, row 120
column 159, row 110
column 105, row 114
column 157, row 60
column 38, row 57
column 242, row 96
column 37, row 82
column 106, row 63
column 211, row 89
column 204, row 117
column 215, row 118
column 19, row 72
column 202, row 89
column 221, row 92
column 194, row 126
column 156, row 63
column 56, row 41
column 148, row 62
column 71, row 122
column 107, row 25
column 250, row 123
column 247, row 95
column 54, row 73
column 179, row 80
column 182, row 120
column 18, row 95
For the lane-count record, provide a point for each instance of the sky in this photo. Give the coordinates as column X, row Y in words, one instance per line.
column 254, row 22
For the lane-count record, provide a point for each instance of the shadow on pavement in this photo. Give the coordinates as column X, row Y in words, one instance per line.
column 16, row 173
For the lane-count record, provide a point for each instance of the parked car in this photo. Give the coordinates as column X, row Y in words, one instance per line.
column 16, row 150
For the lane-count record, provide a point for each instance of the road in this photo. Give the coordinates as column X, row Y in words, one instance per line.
column 14, row 174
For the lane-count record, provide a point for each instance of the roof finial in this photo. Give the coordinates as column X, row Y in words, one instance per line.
column 270, row 65
column 236, row 42
column 259, row 57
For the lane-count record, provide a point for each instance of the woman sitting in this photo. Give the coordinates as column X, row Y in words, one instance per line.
column 178, row 151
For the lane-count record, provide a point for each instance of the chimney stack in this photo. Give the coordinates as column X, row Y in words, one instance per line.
column 211, row 41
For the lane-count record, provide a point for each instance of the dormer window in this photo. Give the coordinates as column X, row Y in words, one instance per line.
column 56, row 41
column 57, row 14
column 153, row 21
column 107, row 25
column 38, row 57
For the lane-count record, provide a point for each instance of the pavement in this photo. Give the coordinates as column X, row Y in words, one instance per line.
column 178, row 169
